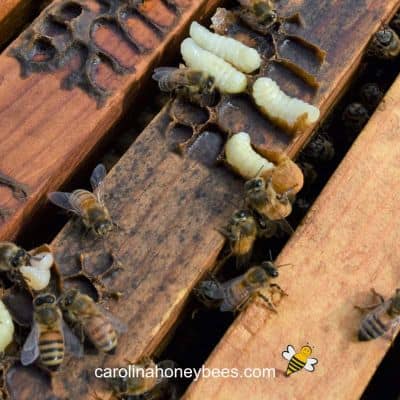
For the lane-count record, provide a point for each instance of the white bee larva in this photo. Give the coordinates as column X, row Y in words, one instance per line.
column 227, row 78
column 37, row 275
column 6, row 327
column 243, row 159
column 239, row 55
column 290, row 113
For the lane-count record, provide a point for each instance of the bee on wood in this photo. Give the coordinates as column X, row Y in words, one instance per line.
column 261, row 15
column 354, row 117
column 234, row 294
column 87, row 205
column 23, row 268
column 265, row 201
column 196, row 86
column 320, row 149
column 383, row 318
column 49, row 335
column 12, row 257
column 385, row 44
column 146, row 382
column 100, row 328
column 241, row 232
column 371, row 95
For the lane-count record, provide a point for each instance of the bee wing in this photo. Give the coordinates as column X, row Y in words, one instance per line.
column 310, row 364
column 96, row 180
column 30, row 350
column 72, row 343
column 288, row 353
column 160, row 72
column 62, row 200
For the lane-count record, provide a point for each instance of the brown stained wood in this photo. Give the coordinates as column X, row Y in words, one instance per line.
column 169, row 209
column 45, row 131
column 14, row 14
column 347, row 244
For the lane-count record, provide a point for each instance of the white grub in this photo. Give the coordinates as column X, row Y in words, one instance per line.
column 241, row 156
column 37, row 275
column 6, row 327
column 290, row 113
column 236, row 53
column 227, row 78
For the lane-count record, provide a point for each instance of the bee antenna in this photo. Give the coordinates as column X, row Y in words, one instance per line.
column 270, row 254
column 284, row 265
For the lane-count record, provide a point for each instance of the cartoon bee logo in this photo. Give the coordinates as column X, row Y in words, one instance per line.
column 300, row 360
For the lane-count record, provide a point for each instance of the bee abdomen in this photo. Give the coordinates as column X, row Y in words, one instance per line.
column 371, row 328
column 294, row 365
column 51, row 347
column 102, row 334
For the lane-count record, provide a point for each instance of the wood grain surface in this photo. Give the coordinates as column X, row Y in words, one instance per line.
column 347, row 244
column 45, row 131
column 169, row 207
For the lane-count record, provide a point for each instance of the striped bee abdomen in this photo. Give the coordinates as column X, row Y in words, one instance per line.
column 51, row 347
column 295, row 365
column 102, row 334
column 371, row 328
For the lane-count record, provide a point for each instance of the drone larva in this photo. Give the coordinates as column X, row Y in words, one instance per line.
column 289, row 113
column 244, row 58
column 37, row 275
column 6, row 327
column 242, row 158
column 227, row 78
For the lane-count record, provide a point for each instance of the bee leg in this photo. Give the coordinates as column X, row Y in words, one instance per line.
column 367, row 308
column 378, row 295
column 270, row 304
column 294, row 19
column 20, row 191
column 276, row 288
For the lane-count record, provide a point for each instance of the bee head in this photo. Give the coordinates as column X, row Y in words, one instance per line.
column 256, row 275
column 306, row 350
column 102, row 228
column 241, row 216
column 44, row 299
column 20, row 258
column 270, row 269
column 68, row 298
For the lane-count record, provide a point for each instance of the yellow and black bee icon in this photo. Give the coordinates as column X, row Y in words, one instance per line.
column 300, row 360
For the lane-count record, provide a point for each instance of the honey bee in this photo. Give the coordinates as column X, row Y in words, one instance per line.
column 145, row 382
column 262, row 16
column 49, row 335
column 196, row 86
column 385, row 44
column 234, row 294
column 241, row 233
column 263, row 199
column 320, row 148
column 12, row 257
column 371, row 95
column 87, row 205
column 354, row 117
column 383, row 318
column 100, row 328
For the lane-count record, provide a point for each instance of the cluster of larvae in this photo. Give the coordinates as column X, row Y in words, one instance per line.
column 227, row 63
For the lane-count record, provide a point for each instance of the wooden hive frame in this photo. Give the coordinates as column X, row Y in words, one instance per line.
column 147, row 191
